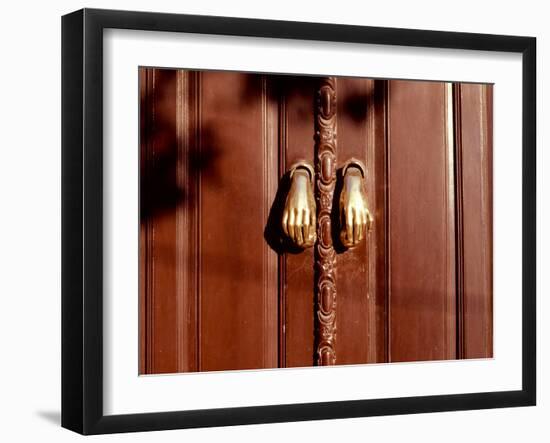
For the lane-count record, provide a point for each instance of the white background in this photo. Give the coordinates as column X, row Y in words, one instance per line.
column 30, row 226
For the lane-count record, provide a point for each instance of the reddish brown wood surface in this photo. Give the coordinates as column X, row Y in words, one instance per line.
column 238, row 270
column 474, row 147
column 159, row 194
column 209, row 285
column 360, row 277
column 421, row 293
column 297, row 143
column 221, row 289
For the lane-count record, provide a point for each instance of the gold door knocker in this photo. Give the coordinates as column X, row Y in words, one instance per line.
column 299, row 216
column 355, row 217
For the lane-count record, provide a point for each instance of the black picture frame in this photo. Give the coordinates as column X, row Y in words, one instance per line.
column 82, row 220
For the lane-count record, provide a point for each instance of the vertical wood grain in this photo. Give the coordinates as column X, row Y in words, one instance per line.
column 360, row 277
column 186, row 221
column 282, row 259
column 216, row 295
column 422, row 310
column 298, row 288
column 377, row 187
column 474, row 213
column 159, row 194
column 355, row 326
column 238, row 287
column 144, row 249
column 270, row 287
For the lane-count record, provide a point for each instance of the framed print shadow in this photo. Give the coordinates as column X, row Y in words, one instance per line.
column 268, row 221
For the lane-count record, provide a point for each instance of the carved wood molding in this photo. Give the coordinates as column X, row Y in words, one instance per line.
column 325, row 256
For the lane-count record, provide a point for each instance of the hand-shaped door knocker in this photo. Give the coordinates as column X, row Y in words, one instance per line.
column 355, row 217
column 299, row 215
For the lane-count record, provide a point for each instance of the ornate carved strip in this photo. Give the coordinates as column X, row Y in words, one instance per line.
column 325, row 256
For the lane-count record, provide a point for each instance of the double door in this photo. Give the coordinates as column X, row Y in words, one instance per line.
column 221, row 285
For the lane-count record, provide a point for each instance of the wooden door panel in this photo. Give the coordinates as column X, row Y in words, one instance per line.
column 297, row 143
column 238, row 271
column 209, row 285
column 474, row 217
column 159, row 311
column 361, row 322
column 421, row 293
column 220, row 289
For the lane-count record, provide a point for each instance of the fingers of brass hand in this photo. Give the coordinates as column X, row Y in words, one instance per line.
column 298, row 228
column 349, row 224
column 306, row 227
column 291, row 225
column 284, row 223
column 309, row 229
column 355, row 226
column 359, row 227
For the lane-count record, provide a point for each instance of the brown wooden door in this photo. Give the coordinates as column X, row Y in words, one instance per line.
column 220, row 289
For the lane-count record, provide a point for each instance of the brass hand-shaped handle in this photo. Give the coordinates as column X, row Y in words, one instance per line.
column 299, row 216
column 355, row 217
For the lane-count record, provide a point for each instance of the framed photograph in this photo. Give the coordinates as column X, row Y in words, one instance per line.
column 269, row 221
